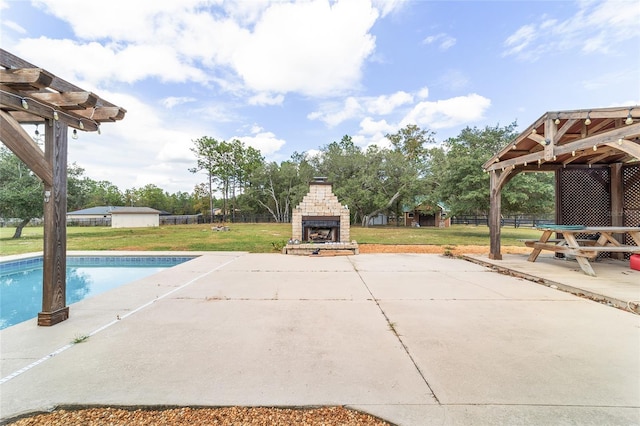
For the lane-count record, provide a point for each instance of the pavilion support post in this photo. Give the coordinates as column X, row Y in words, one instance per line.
column 617, row 203
column 494, row 216
column 497, row 180
column 54, row 309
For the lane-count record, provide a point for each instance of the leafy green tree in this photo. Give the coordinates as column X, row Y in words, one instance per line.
column 211, row 158
column 464, row 187
column 180, row 203
column 152, row 196
column 345, row 164
column 246, row 161
column 379, row 179
column 200, row 198
column 84, row 192
column 104, row 193
column 279, row 188
column 530, row 193
column 228, row 164
column 77, row 188
column 407, row 167
column 21, row 191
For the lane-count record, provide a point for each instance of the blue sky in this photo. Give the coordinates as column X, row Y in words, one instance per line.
column 287, row 76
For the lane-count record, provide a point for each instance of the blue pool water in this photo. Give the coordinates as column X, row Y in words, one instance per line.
column 21, row 281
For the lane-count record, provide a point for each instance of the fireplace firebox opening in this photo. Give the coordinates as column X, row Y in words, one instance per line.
column 321, row 229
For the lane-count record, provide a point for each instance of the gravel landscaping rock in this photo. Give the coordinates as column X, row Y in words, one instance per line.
column 227, row 416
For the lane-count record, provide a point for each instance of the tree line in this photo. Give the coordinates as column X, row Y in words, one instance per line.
column 410, row 170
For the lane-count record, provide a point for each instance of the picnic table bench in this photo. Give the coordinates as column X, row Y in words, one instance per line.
column 583, row 249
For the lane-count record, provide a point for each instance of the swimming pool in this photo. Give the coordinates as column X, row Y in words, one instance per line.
column 21, row 280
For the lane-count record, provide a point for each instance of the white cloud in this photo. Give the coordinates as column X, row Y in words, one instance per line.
column 265, row 142
column 389, row 6
column 597, row 27
column 444, row 41
column 440, row 114
column 78, row 61
column 384, row 104
column 369, row 126
column 520, row 40
column 124, row 20
column 437, row 114
column 454, row 80
column 448, row 112
column 13, row 26
column 172, row 101
column 266, row 99
column 335, row 113
column 314, row 48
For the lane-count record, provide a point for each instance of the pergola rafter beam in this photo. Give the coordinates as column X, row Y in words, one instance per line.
column 38, row 110
column 26, row 78
column 68, row 100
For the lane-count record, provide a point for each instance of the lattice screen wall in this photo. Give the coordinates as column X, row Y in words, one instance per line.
column 631, row 186
column 585, row 198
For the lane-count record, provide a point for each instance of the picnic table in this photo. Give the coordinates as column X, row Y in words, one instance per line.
column 584, row 249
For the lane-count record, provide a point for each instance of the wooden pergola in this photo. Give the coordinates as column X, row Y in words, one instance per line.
column 606, row 140
column 31, row 95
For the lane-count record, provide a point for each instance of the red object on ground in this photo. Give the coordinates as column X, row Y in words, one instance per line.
column 635, row 262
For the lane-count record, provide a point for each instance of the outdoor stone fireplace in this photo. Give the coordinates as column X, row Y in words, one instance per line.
column 320, row 222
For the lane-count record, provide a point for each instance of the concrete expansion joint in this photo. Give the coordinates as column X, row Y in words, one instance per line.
column 392, row 327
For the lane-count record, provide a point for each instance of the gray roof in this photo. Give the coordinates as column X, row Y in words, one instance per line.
column 108, row 210
column 103, row 210
column 134, row 210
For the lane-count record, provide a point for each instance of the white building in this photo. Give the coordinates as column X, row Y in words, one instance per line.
column 121, row 217
column 135, row 217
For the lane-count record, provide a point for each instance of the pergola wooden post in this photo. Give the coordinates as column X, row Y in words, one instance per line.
column 30, row 95
column 54, row 309
column 602, row 137
column 497, row 180
column 617, row 202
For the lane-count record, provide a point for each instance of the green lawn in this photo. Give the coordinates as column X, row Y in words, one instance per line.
column 254, row 238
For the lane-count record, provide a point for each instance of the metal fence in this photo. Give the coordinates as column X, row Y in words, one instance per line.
column 515, row 221
column 101, row 221
column 183, row 219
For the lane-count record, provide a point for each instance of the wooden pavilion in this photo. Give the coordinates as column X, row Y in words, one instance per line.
column 31, row 95
column 595, row 155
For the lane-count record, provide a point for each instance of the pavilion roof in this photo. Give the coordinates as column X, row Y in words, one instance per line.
column 577, row 137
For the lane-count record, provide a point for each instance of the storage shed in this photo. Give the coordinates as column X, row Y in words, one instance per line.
column 134, row 217
column 425, row 215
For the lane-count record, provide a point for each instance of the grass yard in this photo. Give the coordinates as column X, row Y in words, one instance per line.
column 250, row 237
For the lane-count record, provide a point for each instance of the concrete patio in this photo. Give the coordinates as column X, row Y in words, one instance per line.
column 415, row 339
column 615, row 284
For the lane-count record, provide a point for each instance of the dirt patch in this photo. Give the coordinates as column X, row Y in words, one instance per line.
column 433, row 249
